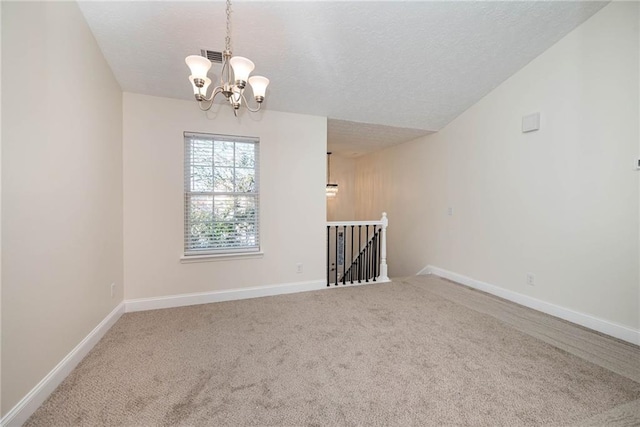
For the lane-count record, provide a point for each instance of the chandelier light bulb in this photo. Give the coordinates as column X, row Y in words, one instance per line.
column 259, row 86
column 242, row 67
column 199, row 66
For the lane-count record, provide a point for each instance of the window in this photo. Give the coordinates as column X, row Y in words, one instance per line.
column 221, row 190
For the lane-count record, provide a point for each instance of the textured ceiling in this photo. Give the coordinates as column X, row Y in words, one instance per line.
column 349, row 139
column 411, row 65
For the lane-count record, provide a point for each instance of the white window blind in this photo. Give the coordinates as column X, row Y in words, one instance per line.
column 221, row 190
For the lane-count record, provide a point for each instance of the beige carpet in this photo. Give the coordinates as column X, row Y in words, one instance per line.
column 406, row 353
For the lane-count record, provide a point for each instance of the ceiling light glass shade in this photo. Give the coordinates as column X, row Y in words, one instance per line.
column 242, row 67
column 259, row 85
column 237, row 96
column 199, row 66
column 332, row 190
column 203, row 90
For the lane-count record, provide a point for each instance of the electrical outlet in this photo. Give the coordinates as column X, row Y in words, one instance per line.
column 450, row 211
column 113, row 290
column 531, row 279
column 299, row 267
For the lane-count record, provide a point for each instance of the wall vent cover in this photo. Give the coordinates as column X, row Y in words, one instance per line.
column 212, row 55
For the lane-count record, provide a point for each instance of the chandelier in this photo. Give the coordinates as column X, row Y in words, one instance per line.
column 233, row 78
column 332, row 189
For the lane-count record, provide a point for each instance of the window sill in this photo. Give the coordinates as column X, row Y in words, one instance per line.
column 220, row 257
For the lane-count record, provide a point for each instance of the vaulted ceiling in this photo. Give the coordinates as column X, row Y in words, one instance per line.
column 367, row 66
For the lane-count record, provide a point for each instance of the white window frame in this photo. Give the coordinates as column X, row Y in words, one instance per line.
column 206, row 253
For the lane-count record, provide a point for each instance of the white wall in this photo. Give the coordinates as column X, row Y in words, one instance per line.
column 61, row 189
column 638, row 164
column 292, row 200
column 561, row 203
column 0, row 220
column 405, row 181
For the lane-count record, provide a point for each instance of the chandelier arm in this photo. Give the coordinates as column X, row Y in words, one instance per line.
column 216, row 91
column 246, row 104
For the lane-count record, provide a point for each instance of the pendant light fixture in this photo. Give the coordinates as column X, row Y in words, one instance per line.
column 332, row 189
column 233, row 78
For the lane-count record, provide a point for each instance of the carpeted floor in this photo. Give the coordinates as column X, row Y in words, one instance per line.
column 413, row 352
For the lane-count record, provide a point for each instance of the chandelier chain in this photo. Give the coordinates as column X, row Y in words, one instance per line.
column 227, row 39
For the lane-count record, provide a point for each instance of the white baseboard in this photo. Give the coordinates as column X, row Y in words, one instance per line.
column 425, row 271
column 27, row 406
column 604, row 326
column 181, row 300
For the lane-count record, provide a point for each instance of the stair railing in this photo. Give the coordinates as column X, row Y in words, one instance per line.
column 357, row 251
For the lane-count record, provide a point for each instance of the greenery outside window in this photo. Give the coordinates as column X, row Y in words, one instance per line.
column 221, row 190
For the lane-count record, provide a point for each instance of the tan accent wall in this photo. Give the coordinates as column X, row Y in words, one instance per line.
column 61, row 189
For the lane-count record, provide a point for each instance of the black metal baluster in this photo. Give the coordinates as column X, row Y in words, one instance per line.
column 367, row 256
column 351, row 259
column 336, row 282
column 344, row 254
column 371, row 257
column 374, row 246
column 364, row 256
column 378, row 253
column 328, row 253
column 379, row 249
column 359, row 254
column 378, row 237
